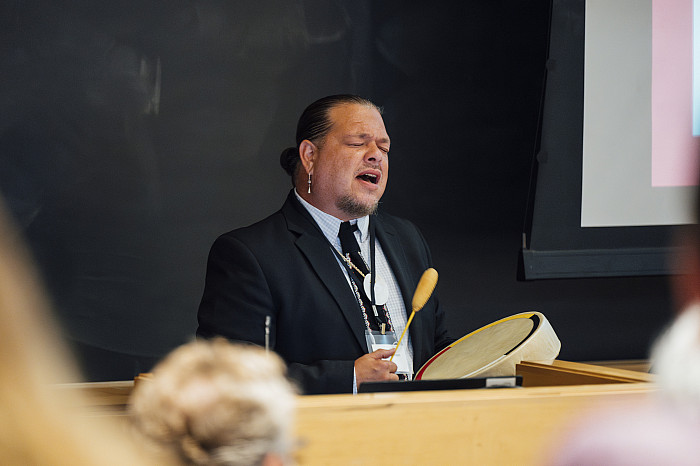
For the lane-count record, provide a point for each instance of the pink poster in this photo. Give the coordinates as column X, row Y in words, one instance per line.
column 675, row 151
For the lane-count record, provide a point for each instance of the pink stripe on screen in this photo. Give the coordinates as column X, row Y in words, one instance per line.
column 674, row 150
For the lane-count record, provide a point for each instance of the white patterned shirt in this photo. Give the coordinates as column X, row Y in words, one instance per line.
column 330, row 225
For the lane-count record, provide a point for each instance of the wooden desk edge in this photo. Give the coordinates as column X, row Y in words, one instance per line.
column 576, row 373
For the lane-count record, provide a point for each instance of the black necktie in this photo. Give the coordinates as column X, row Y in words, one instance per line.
column 351, row 248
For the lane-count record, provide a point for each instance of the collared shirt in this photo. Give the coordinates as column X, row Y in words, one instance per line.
column 330, row 225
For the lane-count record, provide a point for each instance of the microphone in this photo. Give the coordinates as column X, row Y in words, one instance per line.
column 424, row 290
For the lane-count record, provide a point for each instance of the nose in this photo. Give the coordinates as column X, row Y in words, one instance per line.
column 374, row 154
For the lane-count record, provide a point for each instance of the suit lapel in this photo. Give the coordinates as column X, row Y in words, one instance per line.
column 316, row 248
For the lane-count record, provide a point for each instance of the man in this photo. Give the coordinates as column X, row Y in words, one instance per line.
column 291, row 271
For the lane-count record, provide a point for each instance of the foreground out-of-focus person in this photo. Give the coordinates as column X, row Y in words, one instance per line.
column 217, row 403
column 40, row 423
column 665, row 428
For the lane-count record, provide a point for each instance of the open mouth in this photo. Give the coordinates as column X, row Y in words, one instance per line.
column 369, row 178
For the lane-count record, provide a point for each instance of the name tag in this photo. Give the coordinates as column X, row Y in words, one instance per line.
column 400, row 358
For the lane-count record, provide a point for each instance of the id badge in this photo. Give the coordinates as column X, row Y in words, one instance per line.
column 376, row 340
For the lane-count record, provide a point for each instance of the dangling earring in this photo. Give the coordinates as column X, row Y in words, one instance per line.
column 309, row 182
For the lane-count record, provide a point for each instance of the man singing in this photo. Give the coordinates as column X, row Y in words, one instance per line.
column 328, row 277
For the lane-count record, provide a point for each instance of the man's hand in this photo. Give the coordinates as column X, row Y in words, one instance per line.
column 371, row 367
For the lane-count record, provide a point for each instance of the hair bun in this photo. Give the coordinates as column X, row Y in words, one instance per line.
column 289, row 159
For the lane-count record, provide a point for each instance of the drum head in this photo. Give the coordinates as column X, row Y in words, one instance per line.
column 494, row 349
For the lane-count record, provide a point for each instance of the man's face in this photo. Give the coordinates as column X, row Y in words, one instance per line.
column 351, row 168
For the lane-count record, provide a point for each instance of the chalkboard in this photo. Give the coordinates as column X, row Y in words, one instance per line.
column 132, row 133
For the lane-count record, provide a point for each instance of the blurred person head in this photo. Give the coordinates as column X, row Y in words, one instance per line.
column 663, row 428
column 40, row 424
column 217, row 403
column 675, row 355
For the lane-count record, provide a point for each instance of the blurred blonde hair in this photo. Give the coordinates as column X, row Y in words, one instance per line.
column 40, row 424
column 217, row 403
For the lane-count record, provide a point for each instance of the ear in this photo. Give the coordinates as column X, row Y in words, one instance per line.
column 307, row 153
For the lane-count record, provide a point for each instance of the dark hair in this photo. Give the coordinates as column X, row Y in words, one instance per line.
column 314, row 124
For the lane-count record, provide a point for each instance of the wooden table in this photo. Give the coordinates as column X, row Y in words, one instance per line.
column 506, row 426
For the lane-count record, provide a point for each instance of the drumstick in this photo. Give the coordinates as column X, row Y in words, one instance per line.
column 425, row 288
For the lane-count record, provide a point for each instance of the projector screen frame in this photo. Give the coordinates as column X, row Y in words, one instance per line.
column 554, row 245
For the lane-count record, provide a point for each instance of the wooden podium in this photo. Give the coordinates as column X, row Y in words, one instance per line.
column 481, row 426
column 484, row 426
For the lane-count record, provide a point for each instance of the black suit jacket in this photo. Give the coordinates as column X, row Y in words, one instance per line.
column 283, row 267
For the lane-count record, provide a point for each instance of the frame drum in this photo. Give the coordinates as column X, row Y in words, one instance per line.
column 495, row 349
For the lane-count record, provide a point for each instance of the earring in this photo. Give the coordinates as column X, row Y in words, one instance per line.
column 309, row 182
